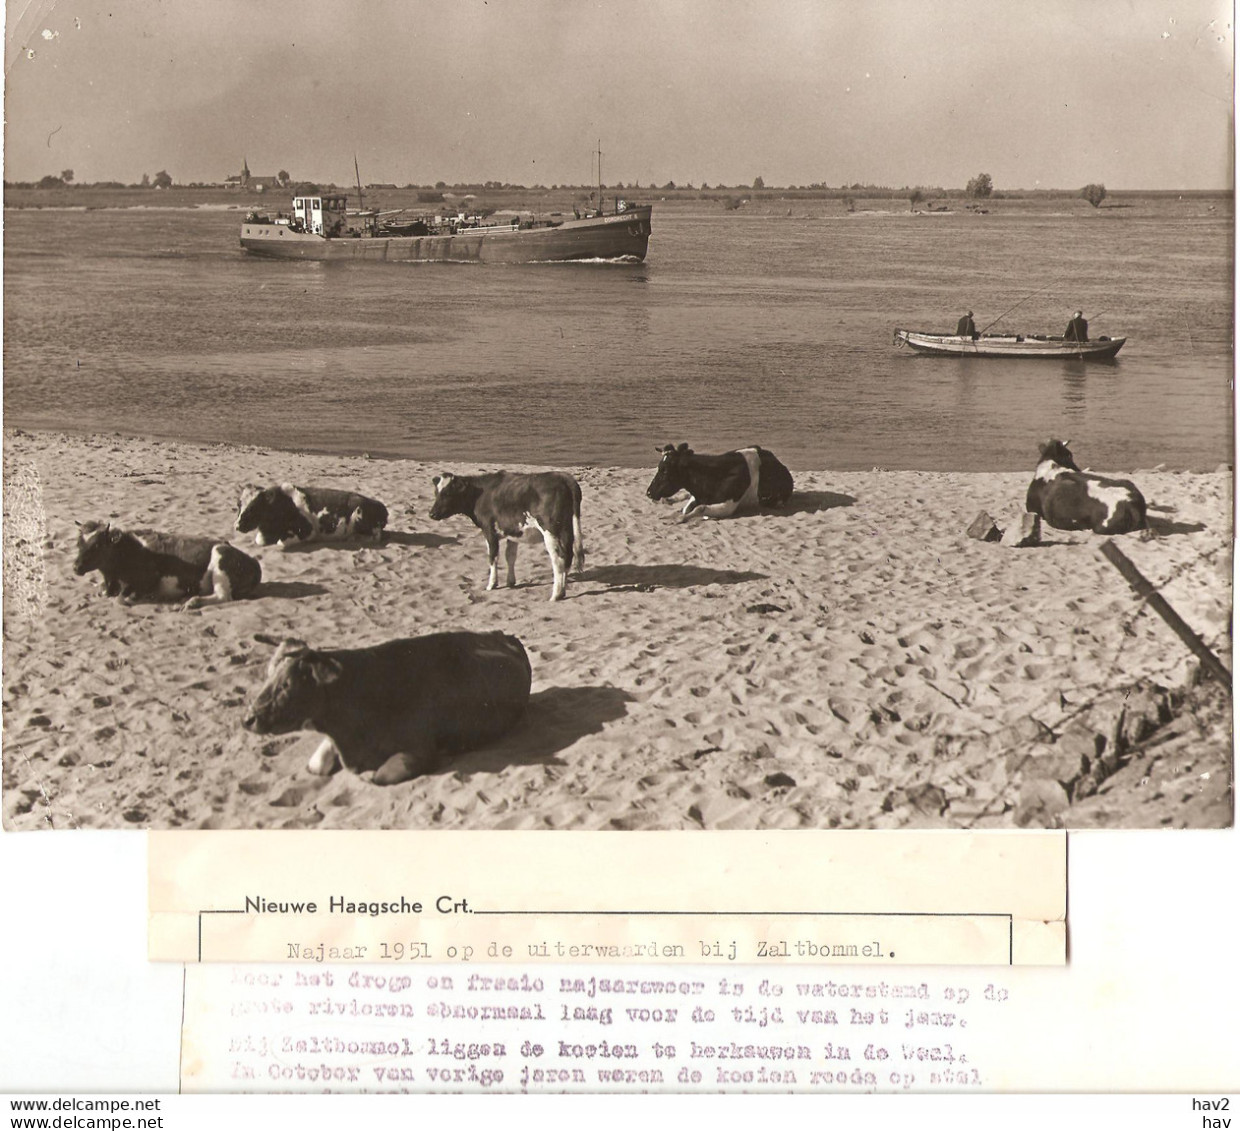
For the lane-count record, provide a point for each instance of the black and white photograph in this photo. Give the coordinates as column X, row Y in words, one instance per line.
column 846, row 388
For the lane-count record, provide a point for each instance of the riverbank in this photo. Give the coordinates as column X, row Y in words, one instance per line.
column 801, row 203
column 854, row 661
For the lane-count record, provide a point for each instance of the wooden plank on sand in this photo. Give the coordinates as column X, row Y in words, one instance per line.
column 1158, row 603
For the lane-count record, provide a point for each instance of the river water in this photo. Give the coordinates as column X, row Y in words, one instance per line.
column 740, row 327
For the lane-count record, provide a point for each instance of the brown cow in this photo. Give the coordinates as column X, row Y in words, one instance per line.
column 394, row 708
column 286, row 514
column 147, row 564
column 503, row 504
column 1068, row 498
column 721, row 485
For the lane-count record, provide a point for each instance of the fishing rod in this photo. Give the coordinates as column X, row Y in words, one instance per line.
column 1011, row 308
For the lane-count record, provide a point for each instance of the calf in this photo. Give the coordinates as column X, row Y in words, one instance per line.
column 1068, row 498
column 503, row 504
column 286, row 514
column 721, row 485
column 395, row 707
column 148, row 564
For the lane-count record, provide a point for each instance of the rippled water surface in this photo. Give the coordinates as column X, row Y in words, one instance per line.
column 739, row 328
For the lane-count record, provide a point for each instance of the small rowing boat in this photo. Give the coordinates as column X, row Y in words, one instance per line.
column 1008, row 345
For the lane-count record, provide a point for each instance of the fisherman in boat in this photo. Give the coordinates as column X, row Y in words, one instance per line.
column 1078, row 329
column 965, row 327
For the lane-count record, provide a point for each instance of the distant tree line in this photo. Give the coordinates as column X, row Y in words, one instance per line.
column 979, row 187
column 161, row 180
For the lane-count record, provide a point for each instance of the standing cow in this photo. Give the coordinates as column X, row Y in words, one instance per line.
column 503, row 504
column 285, row 514
column 395, row 708
column 147, row 564
column 721, row 485
column 1068, row 498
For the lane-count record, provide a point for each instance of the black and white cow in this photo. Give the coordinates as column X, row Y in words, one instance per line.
column 395, row 708
column 720, row 485
column 1068, row 498
column 504, row 504
column 286, row 514
column 147, row 564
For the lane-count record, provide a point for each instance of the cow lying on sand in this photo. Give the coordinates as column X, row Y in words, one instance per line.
column 1068, row 498
column 719, row 486
column 155, row 566
column 396, row 707
column 285, row 514
column 503, row 504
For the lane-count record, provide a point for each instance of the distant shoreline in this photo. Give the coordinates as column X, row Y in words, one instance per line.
column 94, row 434
column 143, row 207
column 562, row 198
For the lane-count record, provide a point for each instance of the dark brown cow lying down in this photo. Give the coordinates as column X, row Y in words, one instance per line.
column 395, row 708
column 146, row 564
column 1068, row 498
column 721, row 485
column 285, row 514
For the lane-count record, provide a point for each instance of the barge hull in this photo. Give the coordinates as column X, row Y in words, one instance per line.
column 624, row 236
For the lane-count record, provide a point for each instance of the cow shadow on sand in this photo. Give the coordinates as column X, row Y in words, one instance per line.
column 390, row 538
column 289, row 590
column 1157, row 527
column 426, row 541
column 814, row 502
column 1165, row 526
column 644, row 578
column 555, row 719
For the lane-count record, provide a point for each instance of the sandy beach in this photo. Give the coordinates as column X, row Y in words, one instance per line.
column 854, row 661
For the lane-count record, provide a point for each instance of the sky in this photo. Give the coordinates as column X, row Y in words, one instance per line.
column 1134, row 94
